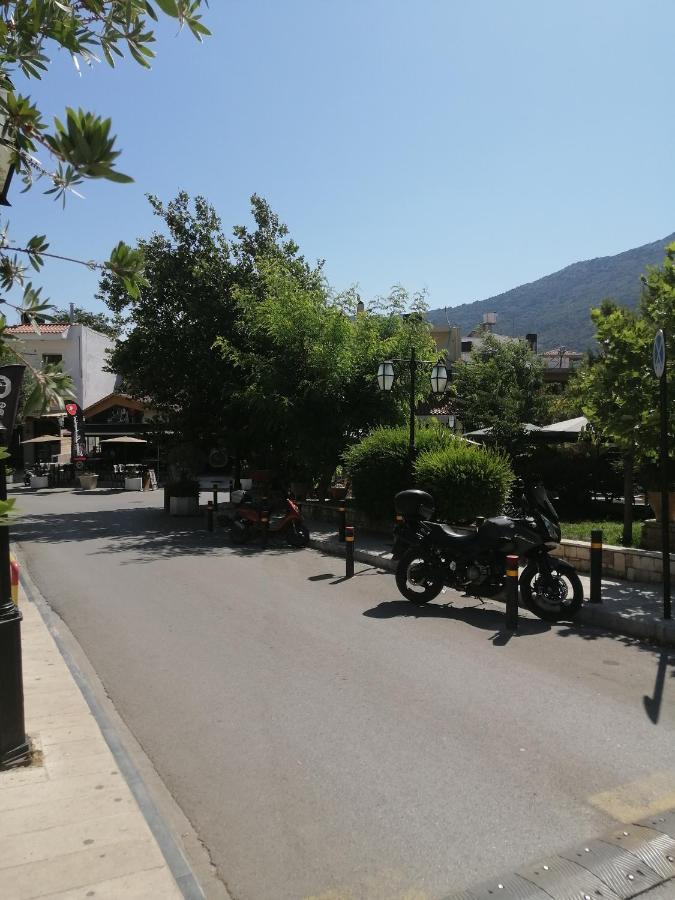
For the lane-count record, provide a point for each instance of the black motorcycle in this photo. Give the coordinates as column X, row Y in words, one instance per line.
column 434, row 555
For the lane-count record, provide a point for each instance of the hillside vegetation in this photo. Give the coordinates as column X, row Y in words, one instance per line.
column 557, row 306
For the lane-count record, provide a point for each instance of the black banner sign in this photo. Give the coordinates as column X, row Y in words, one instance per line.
column 10, row 386
column 78, row 444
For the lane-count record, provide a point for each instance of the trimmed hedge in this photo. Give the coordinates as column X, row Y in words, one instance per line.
column 378, row 465
column 465, row 481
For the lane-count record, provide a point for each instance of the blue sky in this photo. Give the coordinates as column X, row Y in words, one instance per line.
column 458, row 146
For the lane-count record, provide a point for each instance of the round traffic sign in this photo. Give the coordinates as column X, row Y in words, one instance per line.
column 659, row 353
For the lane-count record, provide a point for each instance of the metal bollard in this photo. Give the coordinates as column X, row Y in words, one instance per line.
column 265, row 522
column 596, row 567
column 215, row 496
column 512, row 593
column 349, row 551
column 343, row 523
column 14, row 578
column 209, row 516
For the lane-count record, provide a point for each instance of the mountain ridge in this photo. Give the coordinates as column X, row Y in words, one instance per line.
column 557, row 306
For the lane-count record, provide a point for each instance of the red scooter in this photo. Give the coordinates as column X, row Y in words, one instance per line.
column 247, row 522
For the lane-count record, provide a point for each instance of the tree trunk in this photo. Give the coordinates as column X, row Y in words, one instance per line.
column 627, row 538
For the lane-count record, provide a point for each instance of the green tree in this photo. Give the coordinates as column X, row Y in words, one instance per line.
column 619, row 390
column 166, row 353
column 78, row 146
column 501, row 388
column 309, row 359
column 239, row 343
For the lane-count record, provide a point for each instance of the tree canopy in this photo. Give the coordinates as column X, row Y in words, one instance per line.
column 619, row 390
column 500, row 387
column 240, row 344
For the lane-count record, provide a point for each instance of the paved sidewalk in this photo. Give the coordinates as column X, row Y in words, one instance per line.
column 70, row 827
column 628, row 607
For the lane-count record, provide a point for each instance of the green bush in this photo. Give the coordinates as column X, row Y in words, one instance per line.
column 378, row 464
column 465, row 481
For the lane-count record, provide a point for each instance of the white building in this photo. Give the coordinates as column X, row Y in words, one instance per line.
column 81, row 350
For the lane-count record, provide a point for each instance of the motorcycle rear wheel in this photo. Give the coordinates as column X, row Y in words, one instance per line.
column 411, row 580
column 554, row 597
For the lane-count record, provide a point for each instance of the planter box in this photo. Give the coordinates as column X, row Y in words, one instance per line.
column 654, row 498
column 184, row 506
column 88, row 482
column 133, row 484
column 39, row 481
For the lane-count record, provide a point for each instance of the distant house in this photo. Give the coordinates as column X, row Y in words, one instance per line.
column 80, row 349
column 82, row 353
column 559, row 364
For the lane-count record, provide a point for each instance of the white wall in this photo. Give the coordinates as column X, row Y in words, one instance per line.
column 92, row 351
column 83, row 352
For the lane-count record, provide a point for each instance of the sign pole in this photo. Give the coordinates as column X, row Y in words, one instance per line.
column 14, row 748
column 661, row 372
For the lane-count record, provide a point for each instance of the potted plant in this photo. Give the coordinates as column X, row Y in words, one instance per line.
column 650, row 478
column 133, row 480
column 183, row 497
column 88, row 480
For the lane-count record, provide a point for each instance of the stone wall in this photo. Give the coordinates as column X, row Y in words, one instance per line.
column 618, row 562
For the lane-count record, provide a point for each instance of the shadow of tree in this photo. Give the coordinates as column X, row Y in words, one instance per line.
column 146, row 534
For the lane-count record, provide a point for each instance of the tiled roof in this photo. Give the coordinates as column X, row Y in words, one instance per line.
column 44, row 329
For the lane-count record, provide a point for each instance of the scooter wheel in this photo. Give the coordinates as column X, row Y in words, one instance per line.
column 239, row 532
column 297, row 534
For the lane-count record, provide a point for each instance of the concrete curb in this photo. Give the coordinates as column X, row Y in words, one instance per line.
column 629, row 861
column 656, row 631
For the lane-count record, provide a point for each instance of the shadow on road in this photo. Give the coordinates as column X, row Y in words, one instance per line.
column 146, row 534
column 478, row 616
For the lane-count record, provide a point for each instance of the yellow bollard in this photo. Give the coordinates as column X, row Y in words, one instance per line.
column 14, row 578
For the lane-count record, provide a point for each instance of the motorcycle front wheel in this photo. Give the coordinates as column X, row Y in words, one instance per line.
column 553, row 595
column 414, row 577
column 297, row 534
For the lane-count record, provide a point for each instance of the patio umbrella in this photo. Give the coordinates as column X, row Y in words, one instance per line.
column 124, row 439
column 569, row 426
column 44, row 439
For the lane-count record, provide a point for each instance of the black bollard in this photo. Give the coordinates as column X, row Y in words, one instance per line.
column 209, row 516
column 14, row 749
column 215, row 496
column 265, row 522
column 342, row 523
column 349, row 551
column 512, row 593
column 596, row 567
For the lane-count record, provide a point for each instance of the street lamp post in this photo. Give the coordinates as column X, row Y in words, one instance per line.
column 439, row 382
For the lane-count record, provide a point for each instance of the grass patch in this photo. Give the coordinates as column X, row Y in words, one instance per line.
column 611, row 531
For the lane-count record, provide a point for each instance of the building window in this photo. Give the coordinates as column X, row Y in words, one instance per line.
column 51, row 359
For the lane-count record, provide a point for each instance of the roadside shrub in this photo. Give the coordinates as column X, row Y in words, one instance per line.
column 465, row 481
column 378, row 464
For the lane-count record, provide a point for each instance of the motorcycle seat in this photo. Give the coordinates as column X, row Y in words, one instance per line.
column 449, row 535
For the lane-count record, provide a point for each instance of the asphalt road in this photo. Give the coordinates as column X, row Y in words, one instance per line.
column 326, row 738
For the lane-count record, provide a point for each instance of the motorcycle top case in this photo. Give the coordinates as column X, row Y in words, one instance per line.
column 414, row 504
